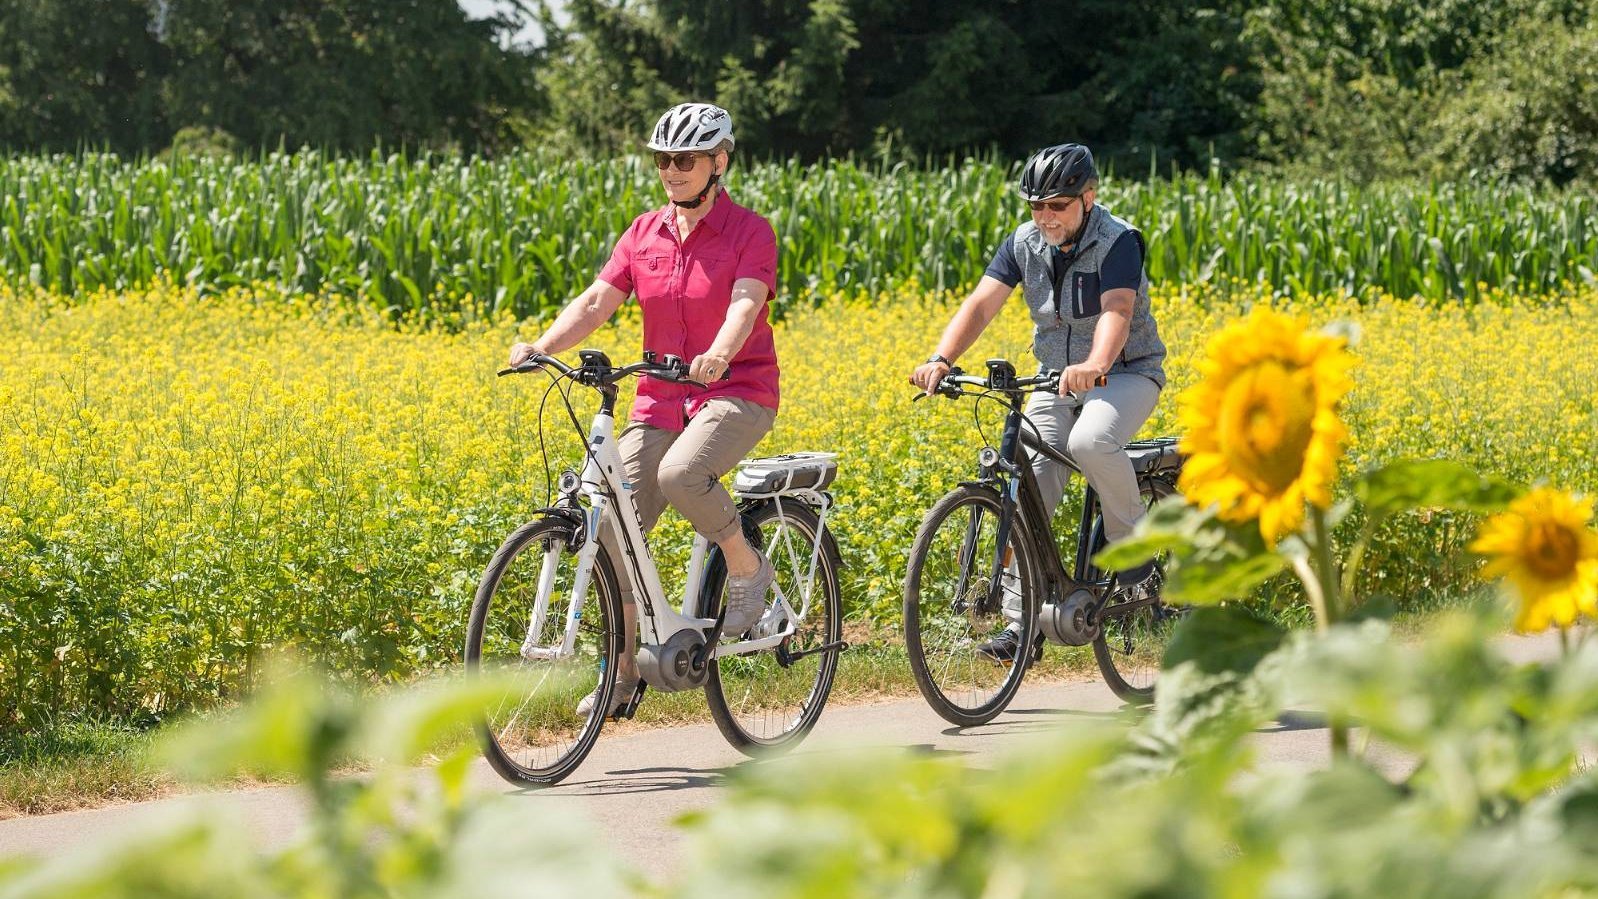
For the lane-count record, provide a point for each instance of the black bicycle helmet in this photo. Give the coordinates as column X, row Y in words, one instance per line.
column 1064, row 170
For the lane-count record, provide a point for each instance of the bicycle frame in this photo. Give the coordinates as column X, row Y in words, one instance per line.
column 1018, row 486
column 1014, row 479
column 603, row 483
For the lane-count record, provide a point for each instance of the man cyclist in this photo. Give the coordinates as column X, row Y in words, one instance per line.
column 1080, row 270
column 703, row 268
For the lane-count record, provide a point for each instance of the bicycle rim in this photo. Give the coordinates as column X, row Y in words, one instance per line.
column 948, row 615
column 535, row 732
column 769, row 700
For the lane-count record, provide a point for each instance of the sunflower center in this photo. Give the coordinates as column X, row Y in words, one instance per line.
column 1266, row 420
column 1552, row 550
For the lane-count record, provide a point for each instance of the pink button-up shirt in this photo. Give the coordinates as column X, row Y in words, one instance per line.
column 685, row 289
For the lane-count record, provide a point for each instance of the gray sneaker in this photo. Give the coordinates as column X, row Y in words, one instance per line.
column 746, row 598
column 619, row 697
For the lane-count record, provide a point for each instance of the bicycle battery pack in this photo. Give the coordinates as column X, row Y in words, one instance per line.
column 775, row 475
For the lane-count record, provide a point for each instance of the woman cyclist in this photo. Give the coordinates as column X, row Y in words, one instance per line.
column 702, row 268
column 1080, row 270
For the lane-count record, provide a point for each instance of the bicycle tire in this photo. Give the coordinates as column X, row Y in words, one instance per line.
column 530, row 746
column 944, row 624
column 1128, row 646
column 767, row 702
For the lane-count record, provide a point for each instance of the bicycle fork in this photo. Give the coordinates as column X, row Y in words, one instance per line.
column 581, row 578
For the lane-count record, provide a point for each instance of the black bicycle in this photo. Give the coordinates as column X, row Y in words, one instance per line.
column 985, row 558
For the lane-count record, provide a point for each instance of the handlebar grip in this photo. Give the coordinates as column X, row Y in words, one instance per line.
column 523, row 368
column 1101, row 381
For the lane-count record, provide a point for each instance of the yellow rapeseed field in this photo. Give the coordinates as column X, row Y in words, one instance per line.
column 186, row 482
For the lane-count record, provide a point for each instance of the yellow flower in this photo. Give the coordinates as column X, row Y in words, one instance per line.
column 1547, row 555
column 1263, row 434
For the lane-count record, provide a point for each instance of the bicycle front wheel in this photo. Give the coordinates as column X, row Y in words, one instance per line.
column 1133, row 635
column 950, row 610
column 769, row 700
column 540, row 730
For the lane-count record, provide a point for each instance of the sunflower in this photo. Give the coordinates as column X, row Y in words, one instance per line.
column 1263, row 435
column 1547, row 555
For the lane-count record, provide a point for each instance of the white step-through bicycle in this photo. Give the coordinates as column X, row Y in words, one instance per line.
column 548, row 614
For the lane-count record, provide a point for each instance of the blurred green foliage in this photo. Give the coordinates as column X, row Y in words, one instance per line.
column 1472, row 786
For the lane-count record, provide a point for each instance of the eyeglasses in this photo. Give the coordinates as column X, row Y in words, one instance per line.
column 684, row 162
column 1051, row 205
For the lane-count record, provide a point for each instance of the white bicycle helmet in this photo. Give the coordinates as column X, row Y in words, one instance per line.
column 692, row 126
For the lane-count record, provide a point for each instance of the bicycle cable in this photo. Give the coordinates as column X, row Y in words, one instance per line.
column 543, row 443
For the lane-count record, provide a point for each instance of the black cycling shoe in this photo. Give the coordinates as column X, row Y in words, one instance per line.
column 1004, row 648
column 1143, row 582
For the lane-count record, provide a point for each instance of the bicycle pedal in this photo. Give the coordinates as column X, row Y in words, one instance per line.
column 626, row 710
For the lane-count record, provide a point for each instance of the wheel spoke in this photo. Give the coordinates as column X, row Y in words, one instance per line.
column 535, row 733
column 756, row 701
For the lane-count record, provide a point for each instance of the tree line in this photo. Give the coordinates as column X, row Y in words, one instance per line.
column 1363, row 89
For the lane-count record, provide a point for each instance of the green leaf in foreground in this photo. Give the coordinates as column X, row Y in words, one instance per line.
column 1430, row 483
column 1210, row 560
column 1223, row 639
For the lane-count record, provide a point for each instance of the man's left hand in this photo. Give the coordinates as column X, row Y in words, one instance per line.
column 1080, row 378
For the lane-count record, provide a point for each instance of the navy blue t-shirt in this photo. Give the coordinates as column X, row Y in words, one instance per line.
column 1122, row 266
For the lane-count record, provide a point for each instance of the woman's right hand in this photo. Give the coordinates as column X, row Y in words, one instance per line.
column 927, row 375
column 521, row 352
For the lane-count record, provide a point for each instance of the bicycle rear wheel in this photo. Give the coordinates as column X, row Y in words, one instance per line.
column 1132, row 637
column 949, row 613
column 536, row 734
column 769, row 700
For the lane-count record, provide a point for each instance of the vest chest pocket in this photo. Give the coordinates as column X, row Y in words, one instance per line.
column 1083, row 291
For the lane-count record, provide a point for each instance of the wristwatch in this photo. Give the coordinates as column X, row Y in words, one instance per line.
column 938, row 357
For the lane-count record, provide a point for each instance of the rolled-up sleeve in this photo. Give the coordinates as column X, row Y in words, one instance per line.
column 618, row 272
column 758, row 257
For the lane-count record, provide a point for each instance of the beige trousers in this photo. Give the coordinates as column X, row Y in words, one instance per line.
column 685, row 468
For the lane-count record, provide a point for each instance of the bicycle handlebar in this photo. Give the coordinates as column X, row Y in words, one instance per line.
column 954, row 383
column 596, row 370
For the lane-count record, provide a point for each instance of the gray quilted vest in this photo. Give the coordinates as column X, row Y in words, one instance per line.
column 1065, row 314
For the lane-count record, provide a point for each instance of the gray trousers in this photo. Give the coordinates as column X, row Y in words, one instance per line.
column 1095, row 438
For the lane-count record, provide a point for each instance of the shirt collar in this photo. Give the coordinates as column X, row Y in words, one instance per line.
column 716, row 218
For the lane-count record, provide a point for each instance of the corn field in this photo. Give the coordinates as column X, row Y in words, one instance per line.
column 444, row 239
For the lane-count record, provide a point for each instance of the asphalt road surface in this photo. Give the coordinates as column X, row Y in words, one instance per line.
column 634, row 784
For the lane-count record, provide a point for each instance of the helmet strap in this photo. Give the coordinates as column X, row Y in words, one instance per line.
column 709, row 186
column 1082, row 228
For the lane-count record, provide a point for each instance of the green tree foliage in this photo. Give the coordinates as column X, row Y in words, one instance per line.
column 80, row 72
column 916, row 78
column 344, row 74
column 1513, row 119
column 1383, row 89
column 335, row 74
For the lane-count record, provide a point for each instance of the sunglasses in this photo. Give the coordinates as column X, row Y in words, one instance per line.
column 684, row 162
column 1051, row 205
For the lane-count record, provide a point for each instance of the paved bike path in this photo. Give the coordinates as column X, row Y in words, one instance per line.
column 633, row 785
